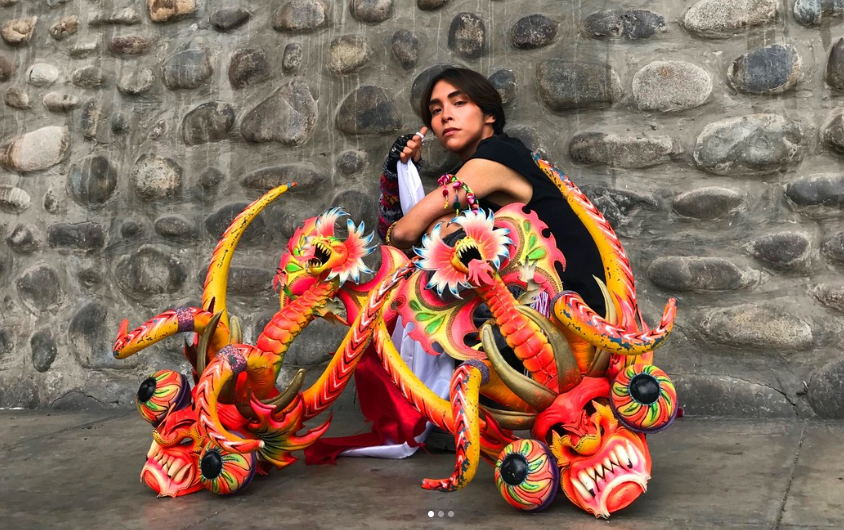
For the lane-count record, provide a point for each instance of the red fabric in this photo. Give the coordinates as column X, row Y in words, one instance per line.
column 382, row 404
column 389, row 205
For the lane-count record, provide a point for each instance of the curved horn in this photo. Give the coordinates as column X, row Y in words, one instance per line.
column 166, row 324
column 216, row 281
column 281, row 401
column 534, row 394
column 568, row 373
column 600, row 364
column 612, row 314
column 511, row 419
column 235, row 330
column 580, row 319
column 601, row 360
column 202, row 345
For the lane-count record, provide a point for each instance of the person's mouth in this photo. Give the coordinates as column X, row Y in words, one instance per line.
column 450, row 131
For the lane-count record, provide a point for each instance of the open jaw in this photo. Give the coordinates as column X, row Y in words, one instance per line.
column 465, row 252
column 321, row 255
column 609, row 480
column 171, row 472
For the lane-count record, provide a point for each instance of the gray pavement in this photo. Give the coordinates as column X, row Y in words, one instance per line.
column 81, row 470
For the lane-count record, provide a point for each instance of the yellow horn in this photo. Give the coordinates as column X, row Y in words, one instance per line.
column 534, row 394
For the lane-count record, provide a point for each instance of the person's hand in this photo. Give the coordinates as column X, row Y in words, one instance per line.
column 413, row 149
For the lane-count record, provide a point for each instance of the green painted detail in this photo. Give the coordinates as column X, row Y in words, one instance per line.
column 535, row 251
column 434, row 325
column 435, row 321
column 536, row 254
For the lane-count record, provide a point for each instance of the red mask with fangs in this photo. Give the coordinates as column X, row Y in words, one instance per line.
column 172, row 467
column 603, row 465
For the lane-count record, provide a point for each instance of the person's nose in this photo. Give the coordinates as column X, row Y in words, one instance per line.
column 445, row 115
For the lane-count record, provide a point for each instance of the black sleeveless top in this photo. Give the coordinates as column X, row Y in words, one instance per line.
column 582, row 257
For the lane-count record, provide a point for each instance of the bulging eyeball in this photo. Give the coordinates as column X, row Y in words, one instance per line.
column 162, row 392
column 224, row 472
column 527, row 475
column 644, row 399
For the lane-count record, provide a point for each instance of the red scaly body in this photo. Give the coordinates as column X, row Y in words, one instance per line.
column 522, row 334
column 286, row 324
column 465, row 389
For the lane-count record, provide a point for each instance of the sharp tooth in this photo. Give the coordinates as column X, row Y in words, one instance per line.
column 167, row 462
column 607, row 464
column 599, row 471
column 631, row 453
column 181, row 474
column 152, row 449
column 580, row 489
column 613, row 458
column 591, row 473
column 175, row 468
column 587, row 482
column 621, row 452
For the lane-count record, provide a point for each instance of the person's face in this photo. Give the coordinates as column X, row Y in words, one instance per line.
column 458, row 122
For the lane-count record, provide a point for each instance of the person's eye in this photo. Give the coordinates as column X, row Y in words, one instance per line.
column 434, row 112
column 459, row 103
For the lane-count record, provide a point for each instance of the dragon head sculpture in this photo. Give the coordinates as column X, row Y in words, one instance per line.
column 316, row 254
column 471, row 262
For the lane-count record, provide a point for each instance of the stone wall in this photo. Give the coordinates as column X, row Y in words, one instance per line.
column 710, row 133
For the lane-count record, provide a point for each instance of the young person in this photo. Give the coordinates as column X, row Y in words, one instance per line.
column 466, row 114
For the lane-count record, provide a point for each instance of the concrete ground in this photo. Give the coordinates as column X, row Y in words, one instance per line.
column 81, row 470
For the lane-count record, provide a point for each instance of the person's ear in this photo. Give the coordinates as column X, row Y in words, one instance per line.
column 489, row 119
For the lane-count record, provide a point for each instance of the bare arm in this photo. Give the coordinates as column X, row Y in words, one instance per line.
column 484, row 177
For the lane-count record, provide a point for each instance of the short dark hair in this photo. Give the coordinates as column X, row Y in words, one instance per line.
column 476, row 87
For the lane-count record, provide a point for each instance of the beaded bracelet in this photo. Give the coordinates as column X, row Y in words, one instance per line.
column 408, row 251
column 456, row 184
column 388, row 240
